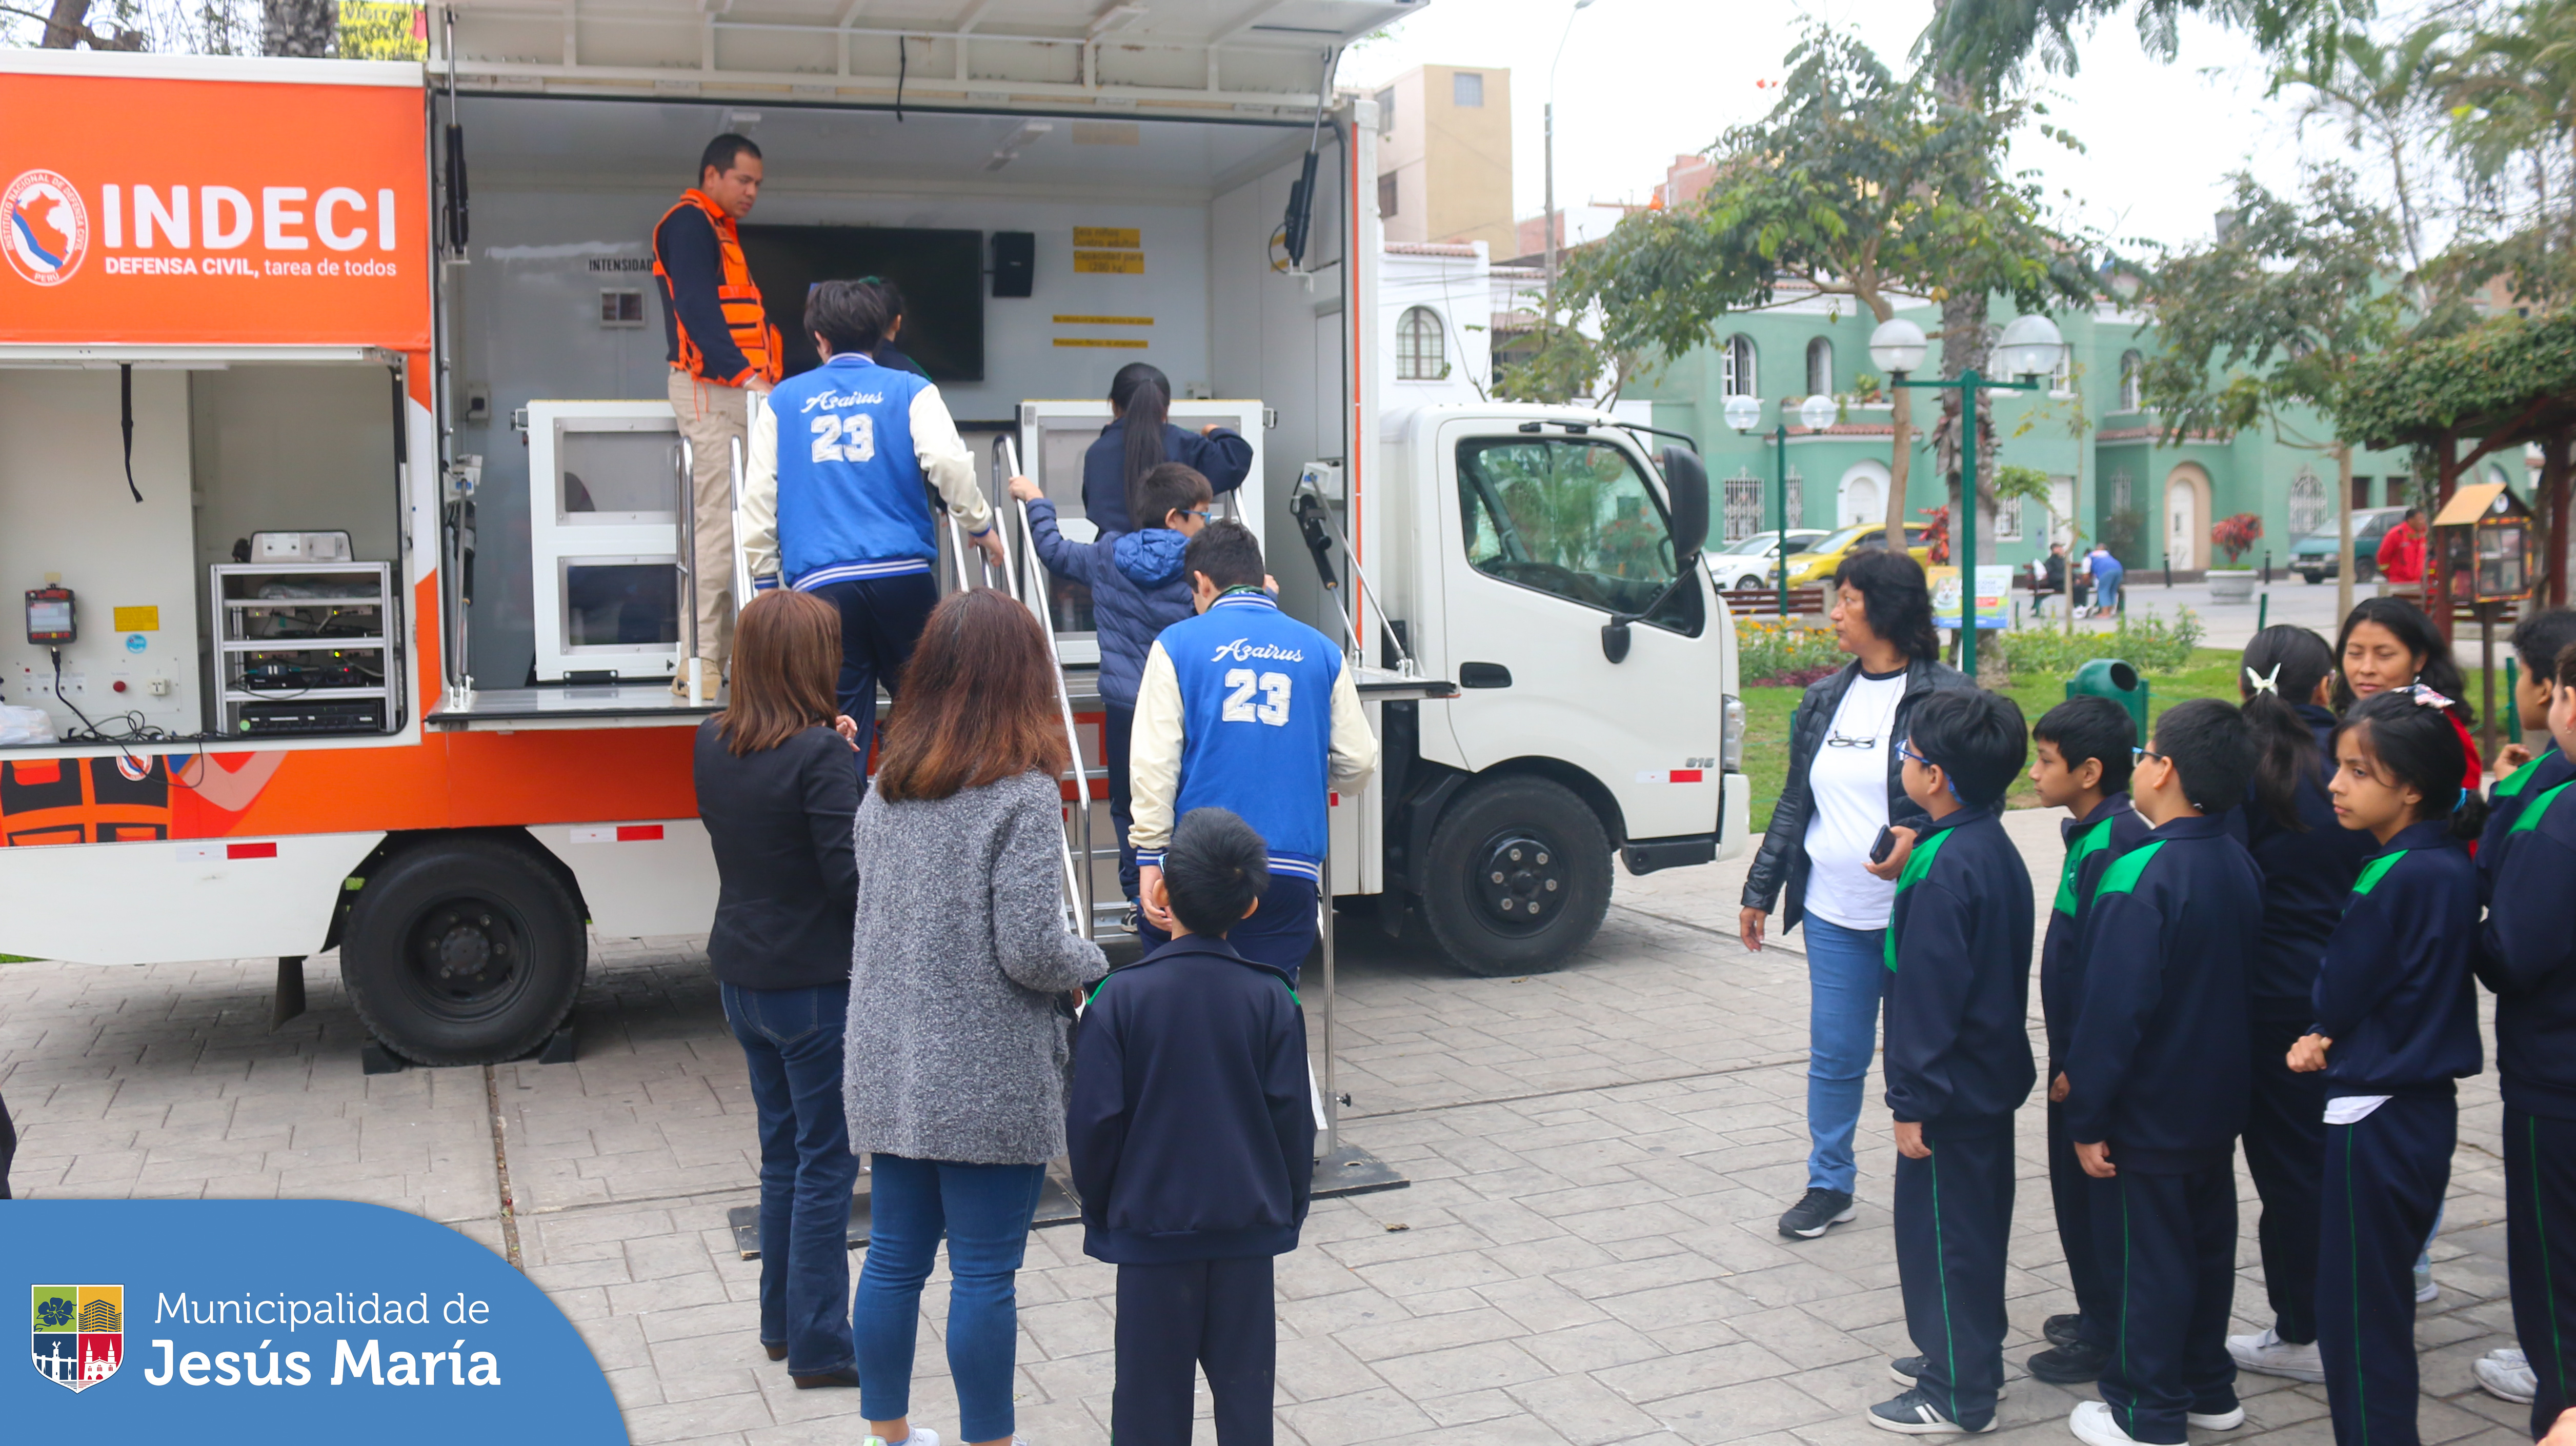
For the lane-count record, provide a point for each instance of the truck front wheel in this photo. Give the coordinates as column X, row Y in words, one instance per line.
column 464, row 951
column 1519, row 877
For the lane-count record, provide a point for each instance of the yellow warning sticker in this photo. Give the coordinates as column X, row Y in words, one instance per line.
column 1120, row 342
column 138, row 620
column 1110, row 263
column 1123, row 238
column 1104, row 321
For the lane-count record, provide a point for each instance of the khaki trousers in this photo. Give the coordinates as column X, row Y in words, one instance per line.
column 713, row 417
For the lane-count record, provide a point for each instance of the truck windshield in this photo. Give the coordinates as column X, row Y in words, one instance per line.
column 1565, row 515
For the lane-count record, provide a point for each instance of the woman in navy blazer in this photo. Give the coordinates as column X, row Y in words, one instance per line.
column 1141, row 437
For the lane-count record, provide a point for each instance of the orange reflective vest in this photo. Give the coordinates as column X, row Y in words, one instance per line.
column 744, row 315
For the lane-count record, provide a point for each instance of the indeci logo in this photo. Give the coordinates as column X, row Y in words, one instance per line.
column 44, row 227
column 79, row 1333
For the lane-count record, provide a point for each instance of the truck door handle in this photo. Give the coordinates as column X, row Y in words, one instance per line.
column 1484, row 675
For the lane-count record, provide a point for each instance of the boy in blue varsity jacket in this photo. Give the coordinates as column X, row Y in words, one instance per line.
column 1137, row 590
column 837, row 508
column 1958, row 1058
column 1192, row 1137
column 1247, row 709
column 2528, row 957
column 2156, row 1082
column 2396, row 1028
column 2081, row 751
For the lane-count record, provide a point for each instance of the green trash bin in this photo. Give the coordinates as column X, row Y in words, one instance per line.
column 2113, row 679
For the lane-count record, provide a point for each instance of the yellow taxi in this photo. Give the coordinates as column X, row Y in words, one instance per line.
column 1817, row 564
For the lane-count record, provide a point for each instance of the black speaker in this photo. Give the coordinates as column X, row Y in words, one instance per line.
column 1015, row 263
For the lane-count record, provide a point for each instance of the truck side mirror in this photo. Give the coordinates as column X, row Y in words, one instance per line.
column 1686, row 489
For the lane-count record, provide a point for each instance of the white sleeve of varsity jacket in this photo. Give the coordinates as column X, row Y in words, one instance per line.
column 946, row 462
column 1354, row 746
column 760, row 495
column 1154, row 757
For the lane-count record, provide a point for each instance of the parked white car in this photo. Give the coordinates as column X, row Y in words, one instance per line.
column 1754, row 561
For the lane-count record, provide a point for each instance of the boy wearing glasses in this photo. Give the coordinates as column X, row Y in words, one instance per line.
column 1958, row 1059
column 1138, row 588
column 2157, row 1082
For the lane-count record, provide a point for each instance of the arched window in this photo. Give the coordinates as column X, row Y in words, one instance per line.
column 2307, row 505
column 1420, row 353
column 2133, row 381
column 1740, row 380
column 1820, row 367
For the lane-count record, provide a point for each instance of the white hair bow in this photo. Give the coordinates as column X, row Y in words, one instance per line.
column 2266, row 682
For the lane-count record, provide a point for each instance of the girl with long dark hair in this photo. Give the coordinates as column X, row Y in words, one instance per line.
column 2396, row 1029
column 2309, row 862
column 1140, row 437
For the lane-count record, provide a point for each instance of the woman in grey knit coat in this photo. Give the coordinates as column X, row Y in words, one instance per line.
column 962, row 984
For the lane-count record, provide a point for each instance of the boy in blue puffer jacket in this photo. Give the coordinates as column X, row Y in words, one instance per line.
column 1138, row 588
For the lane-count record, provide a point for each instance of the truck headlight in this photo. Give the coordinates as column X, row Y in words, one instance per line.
column 1730, row 742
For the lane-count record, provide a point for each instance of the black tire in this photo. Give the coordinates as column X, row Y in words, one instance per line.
column 1550, row 851
column 2313, row 577
column 463, row 951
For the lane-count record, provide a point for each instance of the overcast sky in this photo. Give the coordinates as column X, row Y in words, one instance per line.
column 1645, row 80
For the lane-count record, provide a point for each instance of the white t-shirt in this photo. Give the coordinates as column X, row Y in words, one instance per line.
column 1848, row 778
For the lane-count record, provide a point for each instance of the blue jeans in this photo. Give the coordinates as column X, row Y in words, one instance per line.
column 791, row 1038
column 881, row 621
column 984, row 1210
column 2106, row 593
column 1281, row 933
column 1846, row 976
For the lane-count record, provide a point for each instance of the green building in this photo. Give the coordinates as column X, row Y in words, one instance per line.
column 2112, row 475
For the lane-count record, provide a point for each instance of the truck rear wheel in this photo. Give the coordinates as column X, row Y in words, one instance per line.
column 1519, row 877
column 465, row 951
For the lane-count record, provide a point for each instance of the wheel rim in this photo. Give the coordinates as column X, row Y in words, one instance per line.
column 1522, row 882
column 467, row 957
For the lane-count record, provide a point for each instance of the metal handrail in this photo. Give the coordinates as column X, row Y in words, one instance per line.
column 743, row 590
column 1078, row 882
column 687, row 564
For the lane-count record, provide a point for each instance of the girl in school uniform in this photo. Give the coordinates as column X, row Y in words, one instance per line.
column 1140, row 437
column 2396, row 1028
column 2309, row 862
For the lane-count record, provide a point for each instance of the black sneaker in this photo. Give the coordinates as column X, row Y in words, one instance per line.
column 1914, row 1414
column 2063, row 1330
column 2069, row 1365
column 1816, row 1212
column 1908, row 1371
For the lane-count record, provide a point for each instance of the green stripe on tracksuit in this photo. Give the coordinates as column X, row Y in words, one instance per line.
column 1953, row 1224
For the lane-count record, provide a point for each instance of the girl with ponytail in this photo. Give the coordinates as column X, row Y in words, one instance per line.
column 1140, row 437
column 2396, row 1028
column 2309, row 862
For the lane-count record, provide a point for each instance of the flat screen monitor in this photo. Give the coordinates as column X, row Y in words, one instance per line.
column 941, row 273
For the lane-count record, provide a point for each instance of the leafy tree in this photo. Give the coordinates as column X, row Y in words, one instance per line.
column 2262, row 326
column 2510, row 93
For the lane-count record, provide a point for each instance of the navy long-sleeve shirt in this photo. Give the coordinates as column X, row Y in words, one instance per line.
column 1958, row 947
column 1224, row 458
column 2156, row 1064
column 2529, row 953
column 2307, row 875
column 2394, row 991
column 1190, row 1126
column 687, row 245
column 2092, row 842
column 2505, row 803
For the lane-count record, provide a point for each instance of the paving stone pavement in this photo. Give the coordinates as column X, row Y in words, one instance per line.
column 1585, row 1253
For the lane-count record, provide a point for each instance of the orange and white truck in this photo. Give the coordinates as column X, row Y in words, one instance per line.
column 343, row 502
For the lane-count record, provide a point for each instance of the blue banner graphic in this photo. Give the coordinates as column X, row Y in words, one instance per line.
column 223, row 1320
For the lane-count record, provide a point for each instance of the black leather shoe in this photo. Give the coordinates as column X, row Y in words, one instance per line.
column 2063, row 1330
column 845, row 1376
column 2069, row 1365
column 776, row 1353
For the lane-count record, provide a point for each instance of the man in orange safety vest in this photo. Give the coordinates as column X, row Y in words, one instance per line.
column 722, row 348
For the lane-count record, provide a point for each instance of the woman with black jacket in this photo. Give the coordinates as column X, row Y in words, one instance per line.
column 1845, row 784
column 778, row 796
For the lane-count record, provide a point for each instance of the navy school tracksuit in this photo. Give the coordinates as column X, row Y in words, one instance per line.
column 1192, row 1138
column 2156, row 1068
column 2307, row 874
column 2394, row 994
column 2092, row 842
column 2529, row 960
column 1958, row 1063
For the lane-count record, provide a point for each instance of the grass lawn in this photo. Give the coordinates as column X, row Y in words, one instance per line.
column 2210, row 674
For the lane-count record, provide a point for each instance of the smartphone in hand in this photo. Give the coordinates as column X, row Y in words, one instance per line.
column 1885, row 844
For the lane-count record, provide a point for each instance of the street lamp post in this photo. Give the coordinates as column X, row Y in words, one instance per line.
column 1547, row 128
column 1743, row 413
column 2029, row 350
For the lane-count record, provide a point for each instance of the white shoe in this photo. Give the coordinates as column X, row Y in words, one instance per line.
column 2426, row 1292
column 2507, row 1375
column 2094, row 1425
column 2268, row 1354
column 921, row 1436
column 2227, row 1420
